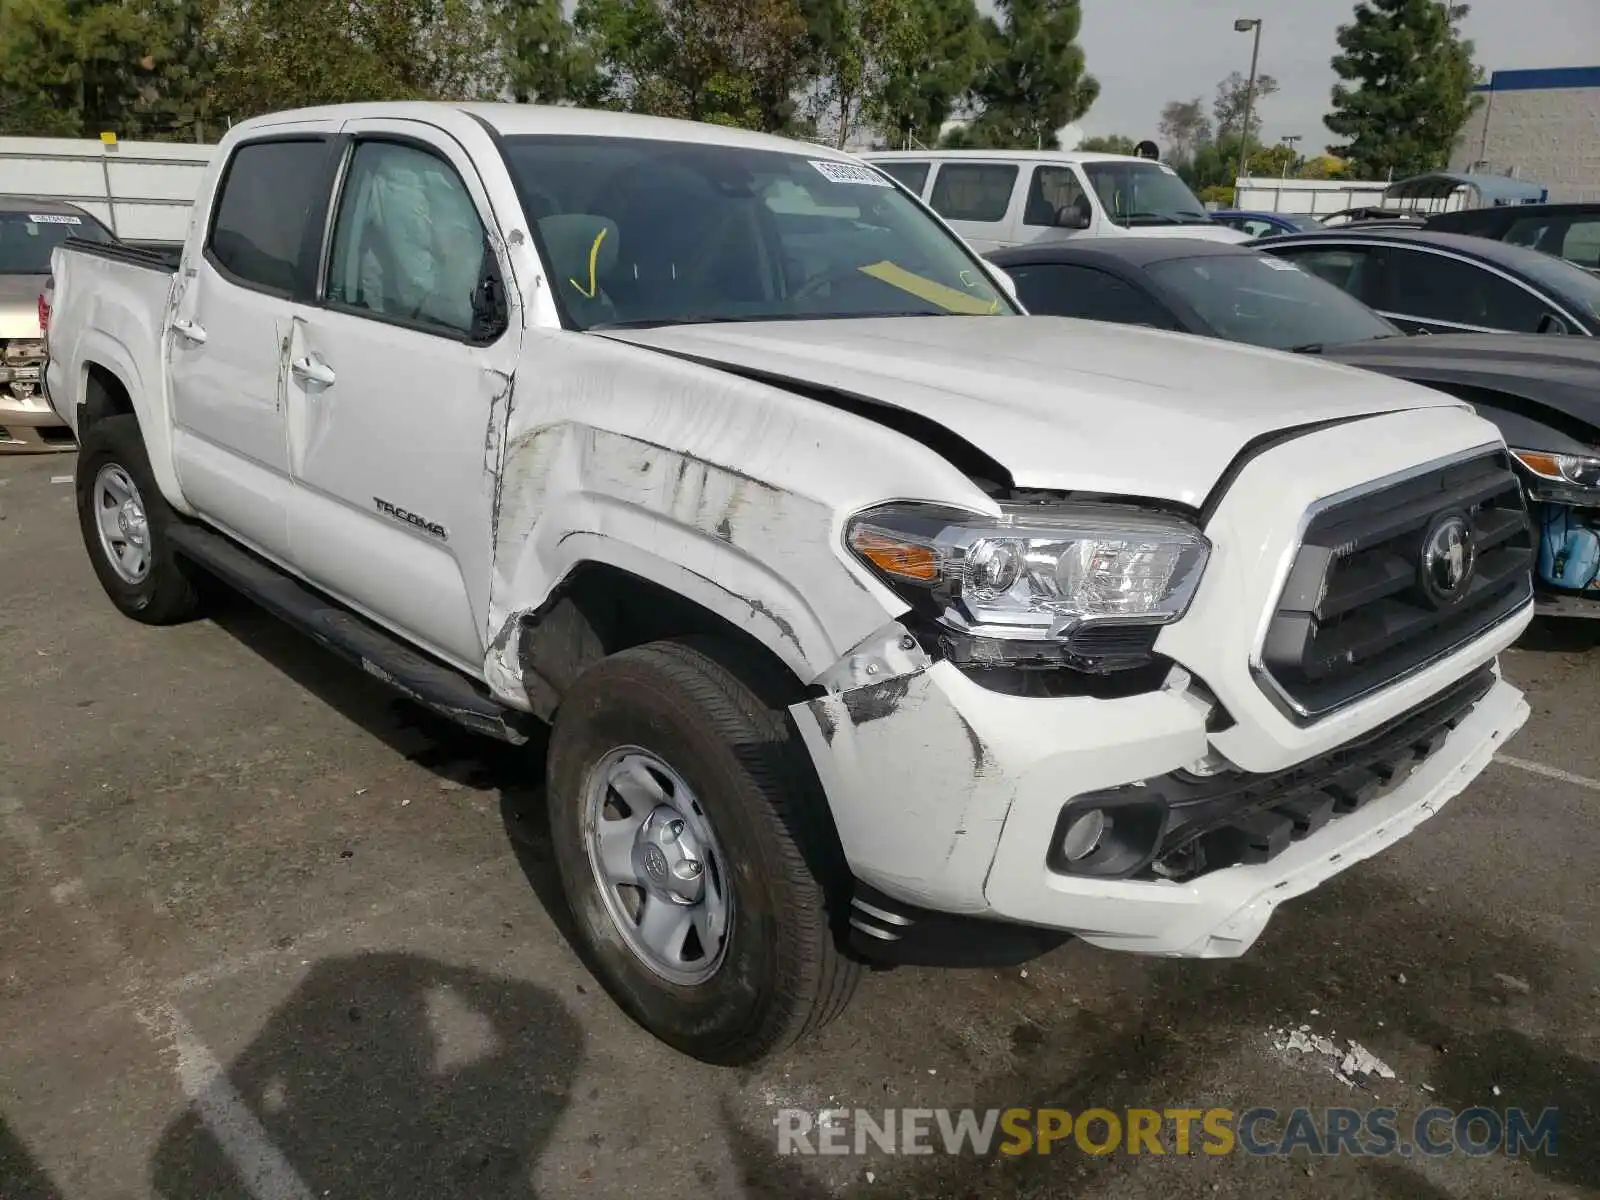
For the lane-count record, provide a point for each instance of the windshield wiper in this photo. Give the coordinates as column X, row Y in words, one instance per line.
column 1308, row 348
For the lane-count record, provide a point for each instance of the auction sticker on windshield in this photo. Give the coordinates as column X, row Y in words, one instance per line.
column 54, row 219
column 838, row 172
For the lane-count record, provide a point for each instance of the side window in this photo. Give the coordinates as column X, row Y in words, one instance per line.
column 407, row 241
column 973, row 191
column 271, row 194
column 1581, row 242
column 1437, row 288
column 1351, row 269
column 1056, row 290
column 912, row 174
column 1256, row 227
column 1050, row 190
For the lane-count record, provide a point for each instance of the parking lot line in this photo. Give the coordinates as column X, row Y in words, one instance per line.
column 1533, row 768
column 261, row 1165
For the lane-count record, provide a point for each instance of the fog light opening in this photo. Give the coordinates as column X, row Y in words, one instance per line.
column 1083, row 835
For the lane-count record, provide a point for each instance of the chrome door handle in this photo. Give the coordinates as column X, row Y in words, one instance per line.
column 189, row 330
column 312, row 370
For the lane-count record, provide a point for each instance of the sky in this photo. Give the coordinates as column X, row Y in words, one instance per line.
column 1179, row 49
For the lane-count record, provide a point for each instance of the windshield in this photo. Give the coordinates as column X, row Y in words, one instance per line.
column 649, row 232
column 1268, row 302
column 26, row 239
column 1144, row 193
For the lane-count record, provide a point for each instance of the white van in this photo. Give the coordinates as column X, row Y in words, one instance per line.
column 998, row 198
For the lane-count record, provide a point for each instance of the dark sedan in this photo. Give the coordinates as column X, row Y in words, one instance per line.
column 1542, row 392
column 1569, row 231
column 1428, row 282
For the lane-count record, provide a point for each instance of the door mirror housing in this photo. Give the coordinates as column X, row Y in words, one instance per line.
column 1072, row 216
column 1550, row 323
column 489, row 311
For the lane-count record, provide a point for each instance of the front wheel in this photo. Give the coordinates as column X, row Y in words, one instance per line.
column 696, row 853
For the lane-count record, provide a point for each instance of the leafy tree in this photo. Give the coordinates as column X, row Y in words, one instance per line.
column 1108, row 144
column 545, row 60
column 278, row 54
column 1273, row 162
column 860, row 44
column 1406, row 76
column 925, row 70
column 1184, row 127
column 1324, row 166
column 733, row 62
column 1034, row 81
column 1229, row 105
column 74, row 68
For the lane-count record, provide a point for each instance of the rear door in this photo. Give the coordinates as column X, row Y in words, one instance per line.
column 231, row 326
column 392, row 386
column 977, row 199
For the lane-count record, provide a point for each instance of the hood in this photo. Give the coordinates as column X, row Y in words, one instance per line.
column 1061, row 404
column 1560, row 373
column 19, row 305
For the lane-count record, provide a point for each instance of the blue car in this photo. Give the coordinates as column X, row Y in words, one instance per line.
column 1265, row 224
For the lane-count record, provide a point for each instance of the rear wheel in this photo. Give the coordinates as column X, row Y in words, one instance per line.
column 695, row 850
column 124, row 521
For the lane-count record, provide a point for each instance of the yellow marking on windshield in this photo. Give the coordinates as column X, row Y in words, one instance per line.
column 948, row 298
column 594, row 258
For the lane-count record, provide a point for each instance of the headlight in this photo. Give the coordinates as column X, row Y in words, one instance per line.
column 1037, row 574
column 1562, row 478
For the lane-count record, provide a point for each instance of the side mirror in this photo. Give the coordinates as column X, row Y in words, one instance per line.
column 1006, row 282
column 489, row 312
column 1550, row 323
column 1070, row 216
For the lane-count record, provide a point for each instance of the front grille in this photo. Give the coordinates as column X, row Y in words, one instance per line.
column 1359, row 609
column 1179, row 826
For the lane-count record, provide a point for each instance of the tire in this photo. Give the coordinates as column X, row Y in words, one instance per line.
column 113, row 453
column 782, row 973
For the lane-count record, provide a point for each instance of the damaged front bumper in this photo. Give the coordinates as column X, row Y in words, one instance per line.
column 951, row 799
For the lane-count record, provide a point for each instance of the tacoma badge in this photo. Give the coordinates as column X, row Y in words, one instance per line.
column 410, row 518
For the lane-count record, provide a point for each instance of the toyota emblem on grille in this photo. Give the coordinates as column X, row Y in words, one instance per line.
column 1448, row 557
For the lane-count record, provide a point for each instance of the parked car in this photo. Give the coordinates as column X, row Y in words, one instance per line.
column 1428, row 282
column 1265, row 224
column 1569, row 231
column 872, row 617
column 1542, row 392
column 29, row 230
column 996, row 198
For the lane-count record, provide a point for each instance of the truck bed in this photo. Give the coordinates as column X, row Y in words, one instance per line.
column 150, row 257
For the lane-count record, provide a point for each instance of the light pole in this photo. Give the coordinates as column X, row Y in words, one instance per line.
column 1289, row 139
column 1246, row 25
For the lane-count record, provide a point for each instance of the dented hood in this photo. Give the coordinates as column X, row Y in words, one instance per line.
column 1061, row 404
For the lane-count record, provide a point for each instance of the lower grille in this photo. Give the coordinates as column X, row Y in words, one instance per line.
column 1390, row 580
column 1186, row 825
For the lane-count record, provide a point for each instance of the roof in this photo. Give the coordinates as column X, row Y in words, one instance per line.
column 1542, row 79
column 514, row 120
column 1056, row 156
column 34, row 204
column 1135, row 251
column 1490, row 189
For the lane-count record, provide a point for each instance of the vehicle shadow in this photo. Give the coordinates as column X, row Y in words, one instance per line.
column 1561, row 635
column 22, row 1178
column 514, row 774
column 383, row 1075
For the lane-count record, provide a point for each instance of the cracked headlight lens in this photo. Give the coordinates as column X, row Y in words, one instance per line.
column 1036, row 572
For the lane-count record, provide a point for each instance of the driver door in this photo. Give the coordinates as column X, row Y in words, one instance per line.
column 394, row 377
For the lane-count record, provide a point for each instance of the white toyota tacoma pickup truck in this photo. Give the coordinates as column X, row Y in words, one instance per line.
column 874, row 619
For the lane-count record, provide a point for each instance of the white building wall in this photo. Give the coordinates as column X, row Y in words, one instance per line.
column 1544, row 135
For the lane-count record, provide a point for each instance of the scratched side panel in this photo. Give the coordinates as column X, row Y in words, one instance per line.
column 727, row 491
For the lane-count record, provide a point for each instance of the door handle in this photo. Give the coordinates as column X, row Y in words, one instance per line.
column 312, row 370
column 189, row 330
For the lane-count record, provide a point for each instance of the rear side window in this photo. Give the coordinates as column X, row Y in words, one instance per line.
column 1437, row 288
column 271, row 195
column 912, row 174
column 973, row 191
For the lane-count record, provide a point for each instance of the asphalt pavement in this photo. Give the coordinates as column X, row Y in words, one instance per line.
column 268, row 931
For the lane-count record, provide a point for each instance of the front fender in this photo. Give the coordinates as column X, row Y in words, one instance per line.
column 764, row 559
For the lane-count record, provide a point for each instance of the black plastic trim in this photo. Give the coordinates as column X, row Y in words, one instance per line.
column 891, row 932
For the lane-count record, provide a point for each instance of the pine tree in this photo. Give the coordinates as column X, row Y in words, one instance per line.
column 1406, row 78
